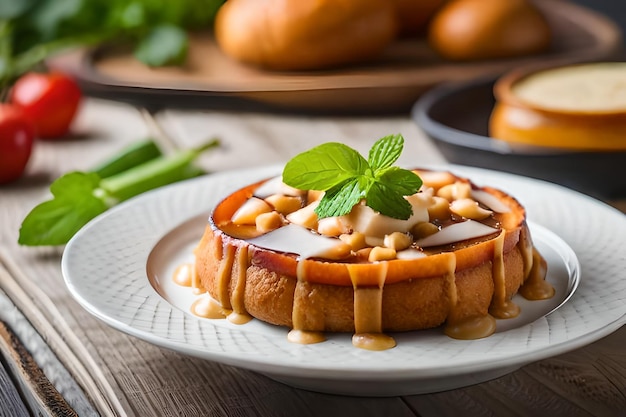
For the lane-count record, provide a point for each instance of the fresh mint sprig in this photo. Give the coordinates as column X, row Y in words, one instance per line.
column 347, row 178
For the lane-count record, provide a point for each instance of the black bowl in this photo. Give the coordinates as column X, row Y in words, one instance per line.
column 456, row 117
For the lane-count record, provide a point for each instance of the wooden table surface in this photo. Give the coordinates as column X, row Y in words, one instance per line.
column 57, row 359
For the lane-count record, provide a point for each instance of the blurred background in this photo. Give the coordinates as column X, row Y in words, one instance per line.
column 612, row 8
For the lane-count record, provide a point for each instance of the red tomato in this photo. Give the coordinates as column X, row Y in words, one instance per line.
column 17, row 133
column 49, row 99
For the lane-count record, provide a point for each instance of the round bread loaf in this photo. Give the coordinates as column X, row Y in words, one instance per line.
column 291, row 35
column 428, row 282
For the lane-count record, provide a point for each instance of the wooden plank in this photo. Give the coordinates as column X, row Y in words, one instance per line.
column 11, row 403
column 586, row 382
column 41, row 395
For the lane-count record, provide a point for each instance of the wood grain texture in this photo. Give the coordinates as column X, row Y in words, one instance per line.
column 31, row 342
column 586, row 382
column 36, row 388
column 128, row 377
column 11, row 403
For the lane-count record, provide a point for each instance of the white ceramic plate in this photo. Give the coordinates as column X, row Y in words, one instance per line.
column 119, row 268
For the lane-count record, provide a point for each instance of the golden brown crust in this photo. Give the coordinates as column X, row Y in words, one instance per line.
column 407, row 305
column 304, row 34
column 486, row 29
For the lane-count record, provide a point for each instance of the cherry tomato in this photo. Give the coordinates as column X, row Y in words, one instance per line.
column 17, row 133
column 49, row 99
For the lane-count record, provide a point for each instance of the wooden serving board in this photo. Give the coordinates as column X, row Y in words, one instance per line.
column 392, row 83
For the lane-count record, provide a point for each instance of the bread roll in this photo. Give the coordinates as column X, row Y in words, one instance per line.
column 304, row 34
column 487, row 29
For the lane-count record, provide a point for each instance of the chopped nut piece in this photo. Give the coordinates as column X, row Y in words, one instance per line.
column 455, row 191
column 436, row 179
column 397, row 241
column 356, row 240
column 440, row 209
column 284, row 204
column 469, row 209
column 305, row 217
column 380, row 253
column 331, row 226
column 364, row 253
column 423, row 229
column 266, row 222
column 339, row 251
column 314, row 195
column 248, row 212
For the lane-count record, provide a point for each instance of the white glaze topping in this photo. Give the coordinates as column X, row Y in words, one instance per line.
column 300, row 241
column 456, row 232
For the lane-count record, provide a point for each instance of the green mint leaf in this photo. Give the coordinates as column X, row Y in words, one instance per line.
column 55, row 221
column 347, row 178
column 340, row 199
column 388, row 202
column 74, row 183
column 164, row 45
column 324, row 167
column 400, row 181
column 385, row 151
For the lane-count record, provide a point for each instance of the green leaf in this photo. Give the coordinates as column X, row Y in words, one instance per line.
column 164, row 45
column 347, row 178
column 73, row 183
column 10, row 9
column 401, row 181
column 55, row 221
column 50, row 17
column 340, row 199
column 324, row 167
column 387, row 201
column 385, row 151
column 132, row 15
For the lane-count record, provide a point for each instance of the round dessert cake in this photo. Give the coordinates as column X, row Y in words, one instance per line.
column 456, row 262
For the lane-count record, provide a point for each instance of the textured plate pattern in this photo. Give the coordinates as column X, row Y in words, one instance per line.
column 105, row 269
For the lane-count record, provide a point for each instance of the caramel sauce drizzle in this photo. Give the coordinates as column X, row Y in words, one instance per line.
column 368, row 310
column 501, row 307
column 224, row 275
column 525, row 246
column 184, row 274
column 208, row 308
column 536, row 287
column 239, row 315
column 471, row 328
column 450, row 277
column 234, row 262
column 304, row 321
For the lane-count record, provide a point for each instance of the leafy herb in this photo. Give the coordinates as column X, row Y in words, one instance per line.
column 31, row 30
column 74, row 203
column 347, row 178
column 164, row 45
column 79, row 197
